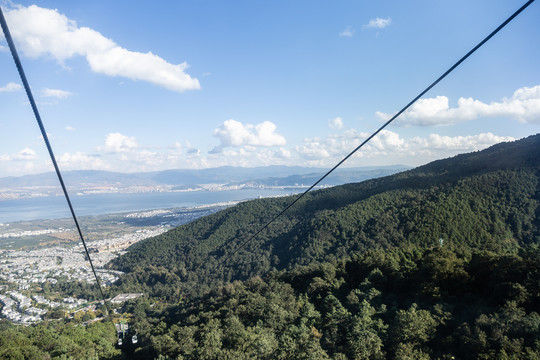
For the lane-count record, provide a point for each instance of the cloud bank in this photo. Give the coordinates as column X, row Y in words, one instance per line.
column 390, row 145
column 523, row 105
column 123, row 153
column 40, row 32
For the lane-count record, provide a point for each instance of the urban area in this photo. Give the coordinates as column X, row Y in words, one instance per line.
column 25, row 273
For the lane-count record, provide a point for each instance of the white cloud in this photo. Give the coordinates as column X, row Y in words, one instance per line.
column 387, row 140
column 178, row 156
column 283, row 153
column 177, row 146
column 313, row 150
column 523, row 105
column 388, row 147
column 25, row 154
column 336, row 146
column 11, row 87
column 235, row 134
column 348, row 32
column 124, row 155
column 468, row 143
column 118, row 143
column 378, row 23
column 70, row 128
column 246, row 157
column 82, row 161
column 59, row 94
column 45, row 32
column 336, row 123
column 118, row 61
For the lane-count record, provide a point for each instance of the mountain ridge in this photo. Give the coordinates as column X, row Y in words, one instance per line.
column 225, row 174
column 486, row 199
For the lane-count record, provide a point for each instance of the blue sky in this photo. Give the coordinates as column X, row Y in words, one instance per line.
column 128, row 86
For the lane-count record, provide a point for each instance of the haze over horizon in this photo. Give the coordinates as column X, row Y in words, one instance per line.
column 193, row 85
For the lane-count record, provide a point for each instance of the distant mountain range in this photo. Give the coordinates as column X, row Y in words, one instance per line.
column 269, row 175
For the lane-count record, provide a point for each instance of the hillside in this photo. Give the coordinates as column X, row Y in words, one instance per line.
column 400, row 303
column 439, row 262
column 484, row 200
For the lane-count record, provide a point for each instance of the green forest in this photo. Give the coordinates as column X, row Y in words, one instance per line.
column 402, row 303
column 438, row 262
column 483, row 200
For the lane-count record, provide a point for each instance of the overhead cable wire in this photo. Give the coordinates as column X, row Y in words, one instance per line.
column 20, row 69
column 516, row 13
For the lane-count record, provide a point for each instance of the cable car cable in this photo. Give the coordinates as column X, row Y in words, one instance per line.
column 20, row 69
column 516, row 13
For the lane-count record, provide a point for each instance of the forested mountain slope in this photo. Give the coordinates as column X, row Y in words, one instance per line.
column 486, row 200
column 440, row 262
column 401, row 303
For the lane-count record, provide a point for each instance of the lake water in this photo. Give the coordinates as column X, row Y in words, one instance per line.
column 55, row 207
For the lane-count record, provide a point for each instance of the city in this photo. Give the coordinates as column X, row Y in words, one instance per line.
column 24, row 273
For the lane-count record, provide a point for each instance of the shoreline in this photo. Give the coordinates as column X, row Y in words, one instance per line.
column 51, row 208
